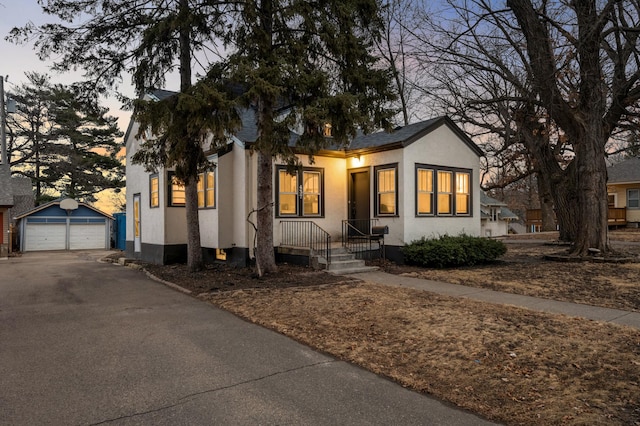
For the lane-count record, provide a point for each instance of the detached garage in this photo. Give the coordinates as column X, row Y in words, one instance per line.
column 64, row 225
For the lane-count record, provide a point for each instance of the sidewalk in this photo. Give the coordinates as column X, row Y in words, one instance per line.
column 595, row 313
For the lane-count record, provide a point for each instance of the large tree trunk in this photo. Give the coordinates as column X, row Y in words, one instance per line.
column 265, row 256
column 546, row 203
column 592, row 218
column 194, row 249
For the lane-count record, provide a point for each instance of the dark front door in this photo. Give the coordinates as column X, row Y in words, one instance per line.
column 359, row 201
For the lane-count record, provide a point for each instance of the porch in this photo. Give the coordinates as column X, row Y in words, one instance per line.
column 617, row 216
column 307, row 242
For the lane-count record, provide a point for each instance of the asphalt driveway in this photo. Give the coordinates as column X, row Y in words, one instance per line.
column 83, row 343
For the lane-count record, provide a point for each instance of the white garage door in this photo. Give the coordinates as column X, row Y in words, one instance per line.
column 45, row 236
column 87, row 236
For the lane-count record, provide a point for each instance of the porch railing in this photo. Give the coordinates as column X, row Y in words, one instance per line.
column 358, row 239
column 306, row 234
column 616, row 216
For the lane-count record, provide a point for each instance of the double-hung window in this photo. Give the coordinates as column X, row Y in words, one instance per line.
column 176, row 191
column 154, row 191
column 633, row 198
column 300, row 194
column 207, row 190
column 425, row 192
column 386, row 190
column 442, row 191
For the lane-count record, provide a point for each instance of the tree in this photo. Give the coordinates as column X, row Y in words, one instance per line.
column 148, row 39
column 572, row 70
column 64, row 142
column 313, row 60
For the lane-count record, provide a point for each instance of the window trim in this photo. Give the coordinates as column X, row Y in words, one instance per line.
column 299, row 192
column 170, row 203
column 637, row 199
column 454, row 173
column 151, row 178
column 432, row 192
column 376, row 206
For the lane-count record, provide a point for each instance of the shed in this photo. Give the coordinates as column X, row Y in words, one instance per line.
column 64, row 225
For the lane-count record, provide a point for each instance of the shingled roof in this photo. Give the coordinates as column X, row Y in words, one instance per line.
column 627, row 171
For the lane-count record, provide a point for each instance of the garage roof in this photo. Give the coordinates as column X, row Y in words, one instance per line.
column 83, row 209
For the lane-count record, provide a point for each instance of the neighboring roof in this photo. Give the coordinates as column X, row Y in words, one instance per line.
column 485, row 200
column 6, row 190
column 627, row 171
column 57, row 203
column 505, row 213
column 21, row 186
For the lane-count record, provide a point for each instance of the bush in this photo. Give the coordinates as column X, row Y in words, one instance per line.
column 447, row 251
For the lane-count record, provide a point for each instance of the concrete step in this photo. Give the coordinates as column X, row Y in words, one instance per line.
column 355, row 270
column 345, row 264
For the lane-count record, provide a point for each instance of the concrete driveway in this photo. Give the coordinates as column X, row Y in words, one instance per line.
column 85, row 343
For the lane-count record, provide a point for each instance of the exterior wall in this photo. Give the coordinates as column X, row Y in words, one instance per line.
column 494, row 229
column 620, row 191
column 396, row 224
column 441, row 147
column 335, row 197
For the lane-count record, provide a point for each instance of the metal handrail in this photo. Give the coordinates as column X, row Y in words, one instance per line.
column 358, row 242
column 307, row 234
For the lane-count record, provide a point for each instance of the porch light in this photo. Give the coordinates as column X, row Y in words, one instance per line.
column 357, row 161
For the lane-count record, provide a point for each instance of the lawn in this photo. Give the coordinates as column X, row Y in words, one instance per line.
column 507, row 364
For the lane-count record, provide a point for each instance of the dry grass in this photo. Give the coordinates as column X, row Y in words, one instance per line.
column 507, row 364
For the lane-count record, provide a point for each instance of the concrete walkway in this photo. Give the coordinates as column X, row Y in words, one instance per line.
column 595, row 313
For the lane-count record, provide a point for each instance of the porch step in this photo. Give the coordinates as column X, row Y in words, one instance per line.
column 343, row 262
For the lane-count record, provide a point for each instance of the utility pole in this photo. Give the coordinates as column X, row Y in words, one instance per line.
column 3, row 123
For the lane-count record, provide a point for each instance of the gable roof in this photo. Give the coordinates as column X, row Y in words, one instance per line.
column 627, row 171
column 404, row 136
column 505, row 213
column 57, row 202
column 400, row 137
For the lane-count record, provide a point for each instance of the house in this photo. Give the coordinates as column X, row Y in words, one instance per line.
column 623, row 192
column 495, row 217
column 64, row 225
column 16, row 196
column 419, row 180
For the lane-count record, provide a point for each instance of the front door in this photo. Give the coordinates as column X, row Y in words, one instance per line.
column 136, row 223
column 359, row 200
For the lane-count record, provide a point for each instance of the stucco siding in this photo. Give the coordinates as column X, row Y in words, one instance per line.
column 443, row 148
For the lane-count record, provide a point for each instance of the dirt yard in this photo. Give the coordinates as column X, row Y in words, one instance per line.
column 507, row 364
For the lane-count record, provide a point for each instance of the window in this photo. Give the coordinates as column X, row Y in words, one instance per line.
column 633, row 198
column 301, row 193
column 154, row 194
column 493, row 214
column 136, row 216
column 425, row 191
column 386, row 184
column 445, row 192
column 221, row 254
column 327, row 131
column 462, row 193
column 176, row 191
column 206, row 190
column 611, row 200
column 442, row 191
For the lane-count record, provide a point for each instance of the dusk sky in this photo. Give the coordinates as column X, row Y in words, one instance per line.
column 16, row 59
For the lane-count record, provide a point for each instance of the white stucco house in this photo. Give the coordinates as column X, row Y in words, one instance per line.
column 419, row 180
column 495, row 217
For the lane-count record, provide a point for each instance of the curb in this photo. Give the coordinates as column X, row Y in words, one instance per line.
column 132, row 265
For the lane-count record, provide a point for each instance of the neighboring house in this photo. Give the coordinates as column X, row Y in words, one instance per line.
column 64, row 225
column 16, row 196
column 623, row 192
column 419, row 180
column 495, row 217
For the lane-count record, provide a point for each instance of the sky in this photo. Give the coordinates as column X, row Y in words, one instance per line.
column 15, row 60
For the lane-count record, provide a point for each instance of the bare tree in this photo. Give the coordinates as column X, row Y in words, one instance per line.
column 568, row 76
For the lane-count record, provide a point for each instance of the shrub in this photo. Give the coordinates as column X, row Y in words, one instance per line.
column 447, row 251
